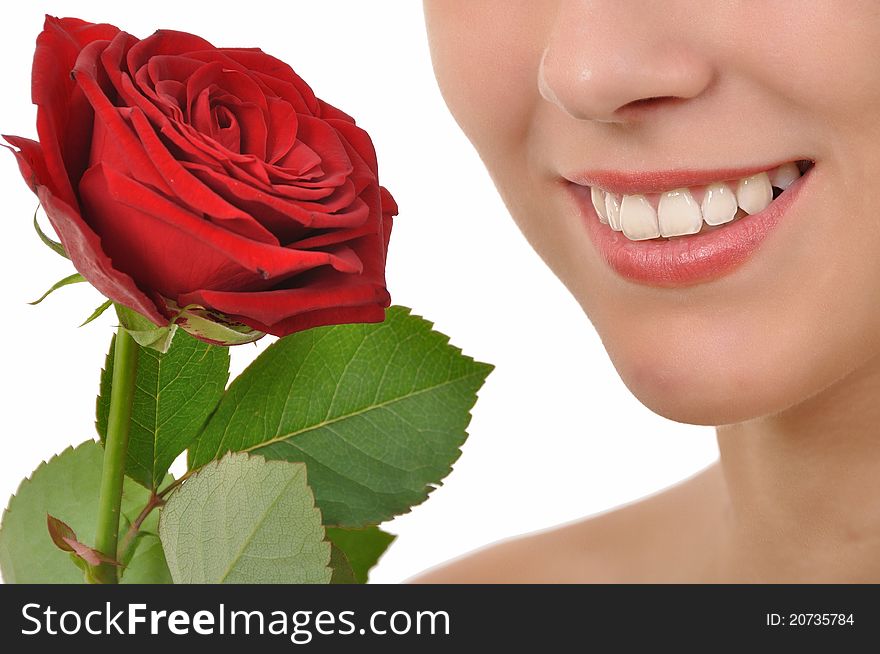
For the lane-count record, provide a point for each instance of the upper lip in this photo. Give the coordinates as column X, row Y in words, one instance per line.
column 657, row 181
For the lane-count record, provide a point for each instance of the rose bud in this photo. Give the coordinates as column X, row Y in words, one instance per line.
column 203, row 186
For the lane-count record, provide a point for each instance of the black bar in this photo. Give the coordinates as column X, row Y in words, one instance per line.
column 581, row 617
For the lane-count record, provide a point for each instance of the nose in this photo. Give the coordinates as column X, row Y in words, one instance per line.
column 614, row 60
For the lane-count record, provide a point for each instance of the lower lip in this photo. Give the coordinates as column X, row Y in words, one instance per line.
column 685, row 260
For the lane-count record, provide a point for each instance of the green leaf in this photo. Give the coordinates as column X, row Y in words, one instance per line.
column 68, row 487
column 75, row 278
column 245, row 520
column 342, row 572
column 97, row 312
column 377, row 412
column 55, row 246
column 174, row 394
column 148, row 566
column 362, row 547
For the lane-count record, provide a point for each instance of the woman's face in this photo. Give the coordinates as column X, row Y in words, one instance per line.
column 738, row 321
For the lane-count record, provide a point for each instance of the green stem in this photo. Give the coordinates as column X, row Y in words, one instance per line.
column 130, row 535
column 125, row 357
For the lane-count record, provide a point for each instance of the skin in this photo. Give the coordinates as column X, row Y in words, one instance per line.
column 782, row 356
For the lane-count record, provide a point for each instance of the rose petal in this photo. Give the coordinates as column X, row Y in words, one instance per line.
column 159, row 241
column 31, row 162
column 336, row 165
column 169, row 121
column 173, row 106
column 82, row 245
column 332, row 316
column 164, row 42
column 225, row 128
column 360, row 152
column 171, row 92
column 300, row 159
column 63, row 116
column 327, row 111
column 178, row 68
column 337, row 237
column 371, row 247
column 274, row 73
column 283, row 126
column 192, row 192
column 389, row 209
column 271, row 307
column 194, row 146
column 114, row 142
column 323, row 200
column 277, row 214
column 251, row 107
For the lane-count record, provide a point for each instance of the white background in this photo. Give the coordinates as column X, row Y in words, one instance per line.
column 555, row 435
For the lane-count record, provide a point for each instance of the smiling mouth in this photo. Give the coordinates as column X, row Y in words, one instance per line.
column 656, row 228
column 684, row 211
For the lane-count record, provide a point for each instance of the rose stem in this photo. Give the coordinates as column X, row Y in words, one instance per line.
column 127, row 540
column 125, row 357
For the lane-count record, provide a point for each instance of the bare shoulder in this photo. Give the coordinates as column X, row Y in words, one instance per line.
column 651, row 540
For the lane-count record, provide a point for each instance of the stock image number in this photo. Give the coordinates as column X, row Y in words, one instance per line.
column 809, row 619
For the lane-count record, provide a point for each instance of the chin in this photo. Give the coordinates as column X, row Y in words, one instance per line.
column 693, row 382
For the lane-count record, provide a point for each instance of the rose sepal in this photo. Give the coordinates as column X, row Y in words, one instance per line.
column 212, row 327
column 144, row 331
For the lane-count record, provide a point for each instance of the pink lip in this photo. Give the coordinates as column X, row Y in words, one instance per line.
column 685, row 260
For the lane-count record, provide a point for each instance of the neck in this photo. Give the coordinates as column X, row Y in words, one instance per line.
column 802, row 487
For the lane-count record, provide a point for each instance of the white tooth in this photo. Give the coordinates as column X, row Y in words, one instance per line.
column 612, row 211
column 754, row 193
column 598, row 197
column 719, row 204
column 784, row 176
column 678, row 213
column 638, row 220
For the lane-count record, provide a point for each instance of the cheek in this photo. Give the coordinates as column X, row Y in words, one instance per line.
column 825, row 66
column 485, row 56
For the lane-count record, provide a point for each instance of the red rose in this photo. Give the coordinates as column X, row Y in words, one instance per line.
column 176, row 173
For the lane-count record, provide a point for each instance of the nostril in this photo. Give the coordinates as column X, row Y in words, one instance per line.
column 646, row 104
column 643, row 101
